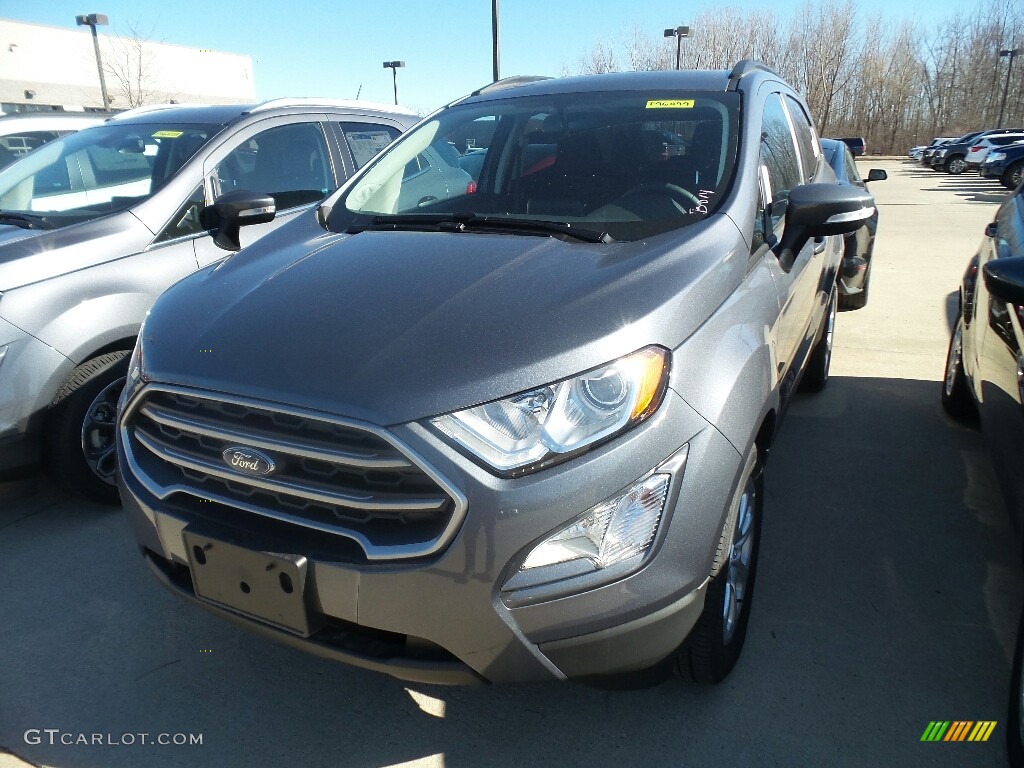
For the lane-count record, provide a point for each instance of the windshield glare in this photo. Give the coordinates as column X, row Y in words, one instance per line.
column 627, row 164
column 98, row 170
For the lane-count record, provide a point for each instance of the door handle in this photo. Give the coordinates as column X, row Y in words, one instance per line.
column 425, row 201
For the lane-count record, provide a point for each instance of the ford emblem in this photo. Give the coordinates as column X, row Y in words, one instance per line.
column 248, row 461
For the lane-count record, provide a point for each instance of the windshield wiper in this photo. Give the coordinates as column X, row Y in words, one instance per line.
column 25, row 220
column 478, row 222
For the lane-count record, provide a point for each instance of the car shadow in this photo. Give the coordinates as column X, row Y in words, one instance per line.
column 887, row 596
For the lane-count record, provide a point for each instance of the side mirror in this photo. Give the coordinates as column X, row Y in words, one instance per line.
column 818, row 210
column 1004, row 279
column 234, row 210
column 877, row 174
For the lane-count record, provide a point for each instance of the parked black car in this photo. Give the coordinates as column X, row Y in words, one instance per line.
column 858, row 147
column 985, row 376
column 938, row 143
column 1005, row 164
column 857, row 246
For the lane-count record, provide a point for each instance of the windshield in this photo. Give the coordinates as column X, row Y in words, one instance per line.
column 98, row 170
column 622, row 165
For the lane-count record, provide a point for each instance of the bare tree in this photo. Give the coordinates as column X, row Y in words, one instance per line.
column 128, row 63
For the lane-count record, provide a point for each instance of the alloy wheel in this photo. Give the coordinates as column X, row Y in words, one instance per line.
column 956, row 352
column 98, row 432
column 738, row 567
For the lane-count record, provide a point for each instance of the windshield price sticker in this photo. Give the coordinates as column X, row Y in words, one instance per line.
column 167, row 134
column 670, row 104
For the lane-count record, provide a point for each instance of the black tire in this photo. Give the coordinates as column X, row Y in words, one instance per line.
column 956, row 164
column 816, row 374
column 713, row 647
column 79, row 446
column 956, row 394
column 857, row 300
column 1014, row 175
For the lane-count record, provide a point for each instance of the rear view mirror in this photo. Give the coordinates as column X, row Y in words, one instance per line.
column 1004, row 279
column 234, row 210
column 877, row 174
column 818, row 210
column 131, row 145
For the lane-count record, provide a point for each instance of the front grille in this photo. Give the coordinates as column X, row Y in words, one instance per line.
column 330, row 475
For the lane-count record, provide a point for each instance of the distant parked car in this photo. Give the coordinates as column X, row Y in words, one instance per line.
column 931, row 149
column 95, row 225
column 979, row 150
column 858, row 147
column 1005, row 164
column 21, row 133
column 914, row 153
column 952, row 157
column 857, row 246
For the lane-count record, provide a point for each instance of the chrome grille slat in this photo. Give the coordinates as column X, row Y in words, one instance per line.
column 331, row 475
column 305, row 491
column 263, row 440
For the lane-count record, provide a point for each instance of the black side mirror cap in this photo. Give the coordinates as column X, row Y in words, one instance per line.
column 234, row 210
column 877, row 174
column 819, row 210
column 1004, row 279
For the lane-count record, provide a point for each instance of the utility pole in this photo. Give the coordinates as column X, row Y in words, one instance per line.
column 1012, row 53
column 91, row 20
column 393, row 66
column 495, row 46
column 678, row 33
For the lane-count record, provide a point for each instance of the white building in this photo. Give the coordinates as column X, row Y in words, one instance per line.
column 44, row 67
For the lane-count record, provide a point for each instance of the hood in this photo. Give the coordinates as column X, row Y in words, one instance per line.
column 392, row 327
column 31, row 255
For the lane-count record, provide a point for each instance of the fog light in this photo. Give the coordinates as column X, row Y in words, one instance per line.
column 614, row 531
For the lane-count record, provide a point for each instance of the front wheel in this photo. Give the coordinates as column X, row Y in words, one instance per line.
column 956, row 165
column 956, row 394
column 80, row 449
column 1014, row 175
column 713, row 647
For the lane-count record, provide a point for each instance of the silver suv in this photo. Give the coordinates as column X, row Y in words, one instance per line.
column 93, row 226
column 516, row 430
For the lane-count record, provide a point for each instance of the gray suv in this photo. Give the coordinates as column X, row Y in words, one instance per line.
column 512, row 432
column 93, row 226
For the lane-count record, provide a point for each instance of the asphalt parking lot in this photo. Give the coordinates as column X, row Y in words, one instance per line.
column 888, row 596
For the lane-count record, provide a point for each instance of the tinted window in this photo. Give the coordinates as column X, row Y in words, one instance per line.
column 629, row 164
column 778, row 156
column 806, row 140
column 365, row 140
column 186, row 219
column 99, row 170
column 290, row 163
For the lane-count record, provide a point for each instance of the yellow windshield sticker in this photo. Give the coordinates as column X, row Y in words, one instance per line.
column 670, row 104
column 167, row 134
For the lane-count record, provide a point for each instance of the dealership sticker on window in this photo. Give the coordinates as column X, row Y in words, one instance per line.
column 167, row 134
column 670, row 104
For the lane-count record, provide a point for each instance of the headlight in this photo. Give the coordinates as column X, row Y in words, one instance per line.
column 994, row 156
column 940, row 153
column 136, row 373
column 546, row 425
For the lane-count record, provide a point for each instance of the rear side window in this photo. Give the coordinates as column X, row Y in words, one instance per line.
column 367, row 139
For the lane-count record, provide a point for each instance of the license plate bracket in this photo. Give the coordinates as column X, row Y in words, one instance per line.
column 268, row 586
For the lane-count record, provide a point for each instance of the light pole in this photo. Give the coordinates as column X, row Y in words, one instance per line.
column 678, row 33
column 495, row 49
column 92, row 20
column 1012, row 53
column 393, row 66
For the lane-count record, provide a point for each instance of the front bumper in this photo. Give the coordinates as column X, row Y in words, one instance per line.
column 445, row 618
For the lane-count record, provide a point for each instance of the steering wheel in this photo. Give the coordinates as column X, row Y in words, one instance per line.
column 678, row 195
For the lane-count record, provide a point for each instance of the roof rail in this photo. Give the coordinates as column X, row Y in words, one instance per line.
column 312, row 101
column 509, row 82
column 149, row 108
column 744, row 68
